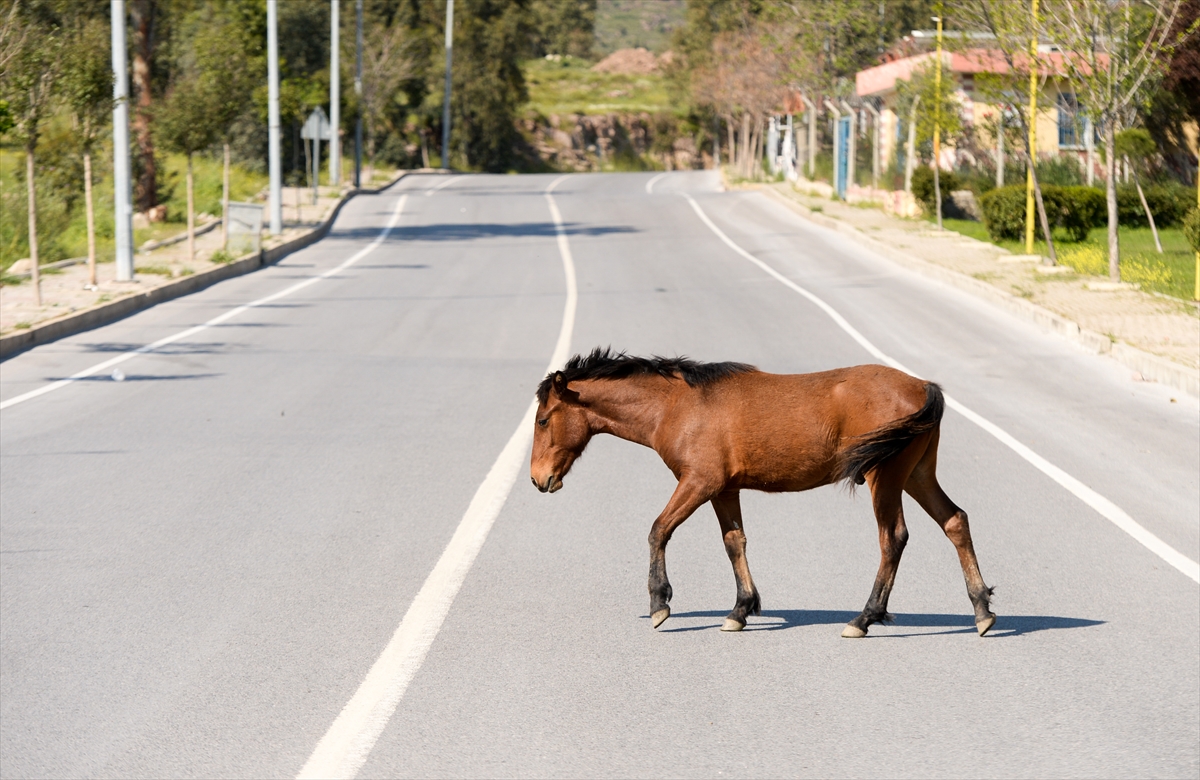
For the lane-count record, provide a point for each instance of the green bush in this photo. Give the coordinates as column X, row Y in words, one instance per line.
column 1168, row 203
column 1191, row 228
column 1004, row 212
column 1079, row 209
column 1075, row 209
column 922, row 186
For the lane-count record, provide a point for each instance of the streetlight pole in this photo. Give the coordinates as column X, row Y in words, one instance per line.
column 358, row 14
column 937, row 124
column 446, row 99
column 335, row 96
column 1029, row 217
column 122, row 179
column 273, row 163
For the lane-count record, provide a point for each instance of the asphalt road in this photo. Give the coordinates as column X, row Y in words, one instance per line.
column 200, row 564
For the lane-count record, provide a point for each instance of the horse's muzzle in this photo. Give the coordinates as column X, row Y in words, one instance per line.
column 552, row 485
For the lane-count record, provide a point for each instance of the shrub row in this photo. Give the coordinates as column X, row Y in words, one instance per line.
column 1079, row 209
column 1076, row 209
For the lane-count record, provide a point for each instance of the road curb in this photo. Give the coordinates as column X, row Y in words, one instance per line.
column 1151, row 367
column 111, row 311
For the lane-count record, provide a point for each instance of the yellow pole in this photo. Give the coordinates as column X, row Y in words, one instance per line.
column 937, row 112
column 1029, row 218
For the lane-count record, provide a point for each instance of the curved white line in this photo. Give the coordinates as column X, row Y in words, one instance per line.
column 650, row 184
column 1106, row 508
column 343, row 750
column 90, row 371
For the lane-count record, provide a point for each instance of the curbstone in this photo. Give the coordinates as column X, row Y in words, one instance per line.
column 111, row 311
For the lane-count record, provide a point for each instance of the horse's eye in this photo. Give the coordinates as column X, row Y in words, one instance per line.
column 542, row 422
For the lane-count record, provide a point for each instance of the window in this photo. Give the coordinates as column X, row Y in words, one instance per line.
column 1069, row 133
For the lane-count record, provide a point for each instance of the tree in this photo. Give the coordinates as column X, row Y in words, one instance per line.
column 186, row 122
column 491, row 39
column 1014, row 75
column 1136, row 146
column 146, row 33
column 387, row 62
column 86, row 85
column 1115, row 54
column 563, row 27
column 223, row 56
column 923, row 90
column 31, row 45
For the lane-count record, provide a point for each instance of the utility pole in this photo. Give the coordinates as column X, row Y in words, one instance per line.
column 358, row 14
column 335, row 97
column 273, row 162
column 1033, row 52
column 446, row 99
column 122, row 179
column 937, row 124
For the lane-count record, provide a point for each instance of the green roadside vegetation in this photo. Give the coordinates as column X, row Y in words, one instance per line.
column 567, row 85
column 62, row 221
column 1172, row 273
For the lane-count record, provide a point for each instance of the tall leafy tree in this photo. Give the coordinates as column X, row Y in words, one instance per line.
column 1115, row 55
column 226, row 60
column 32, row 45
column 86, row 86
column 491, row 39
column 1013, row 28
column 187, row 122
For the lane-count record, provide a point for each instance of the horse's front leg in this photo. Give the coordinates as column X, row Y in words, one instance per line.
column 688, row 496
column 729, row 512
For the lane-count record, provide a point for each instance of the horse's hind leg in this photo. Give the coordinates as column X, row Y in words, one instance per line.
column 885, row 483
column 729, row 513
column 923, row 486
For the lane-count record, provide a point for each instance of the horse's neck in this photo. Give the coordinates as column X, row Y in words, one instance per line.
column 629, row 409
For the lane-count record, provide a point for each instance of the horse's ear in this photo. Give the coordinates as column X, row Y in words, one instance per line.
column 561, row 389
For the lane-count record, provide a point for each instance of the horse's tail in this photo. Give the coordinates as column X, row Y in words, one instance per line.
column 872, row 449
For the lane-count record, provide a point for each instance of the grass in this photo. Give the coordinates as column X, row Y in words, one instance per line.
column 62, row 230
column 1172, row 273
column 569, row 86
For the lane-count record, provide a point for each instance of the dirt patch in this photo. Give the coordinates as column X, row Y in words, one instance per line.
column 634, row 62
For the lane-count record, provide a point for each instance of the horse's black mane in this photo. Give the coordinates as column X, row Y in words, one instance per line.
column 606, row 364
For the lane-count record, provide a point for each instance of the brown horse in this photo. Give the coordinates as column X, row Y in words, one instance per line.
column 726, row 427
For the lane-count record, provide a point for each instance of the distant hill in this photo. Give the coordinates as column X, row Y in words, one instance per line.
column 629, row 24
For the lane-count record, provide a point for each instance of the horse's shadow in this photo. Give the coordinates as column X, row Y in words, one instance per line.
column 780, row 619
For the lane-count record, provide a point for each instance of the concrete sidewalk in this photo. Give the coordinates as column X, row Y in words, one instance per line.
column 1157, row 337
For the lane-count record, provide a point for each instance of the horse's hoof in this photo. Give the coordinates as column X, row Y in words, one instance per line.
column 733, row 625
column 660, row 617
column 985, row 625
column 853, row 632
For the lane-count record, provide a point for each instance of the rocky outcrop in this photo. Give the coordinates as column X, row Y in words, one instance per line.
column 582, row 142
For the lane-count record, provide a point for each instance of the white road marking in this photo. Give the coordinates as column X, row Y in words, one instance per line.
column 343, row 750
column 450, row 178
column 99, row 367
column 650, row 184
column 1107, row 508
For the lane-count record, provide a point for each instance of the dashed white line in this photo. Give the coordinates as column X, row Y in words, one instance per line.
column 92, row 370
column 650, row 184
column 1105, row 507
column 345, row 747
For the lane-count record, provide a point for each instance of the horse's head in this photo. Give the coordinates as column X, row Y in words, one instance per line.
column 560, row 433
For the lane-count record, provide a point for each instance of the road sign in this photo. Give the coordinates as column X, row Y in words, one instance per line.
column 317, row 126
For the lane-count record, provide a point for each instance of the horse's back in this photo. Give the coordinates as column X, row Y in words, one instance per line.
column 783, row 432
